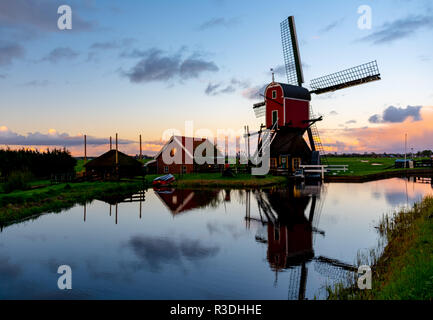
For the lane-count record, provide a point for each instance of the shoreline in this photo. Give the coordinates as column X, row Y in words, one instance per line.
column 216, row 180
column 20, row 205
column 380, row 175
column 24, row 205
column 404, row 268
column 234, row 184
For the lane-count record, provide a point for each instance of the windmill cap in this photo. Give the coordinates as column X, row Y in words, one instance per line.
column 294, row 92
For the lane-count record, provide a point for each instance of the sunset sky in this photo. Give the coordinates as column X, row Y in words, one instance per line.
column 142, row 67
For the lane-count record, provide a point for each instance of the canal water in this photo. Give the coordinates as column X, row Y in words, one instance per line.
column 202, row 244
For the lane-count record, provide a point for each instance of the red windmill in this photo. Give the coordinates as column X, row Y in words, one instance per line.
column 287, row 109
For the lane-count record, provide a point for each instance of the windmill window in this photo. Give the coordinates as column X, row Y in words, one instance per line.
column 165, row 169
column 296, row 163
column 274, row 94
column 277, row 234
column 183, row 169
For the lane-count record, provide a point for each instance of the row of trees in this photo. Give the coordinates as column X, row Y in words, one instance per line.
column 419, row 154
column 424, row 153
column 39, row 164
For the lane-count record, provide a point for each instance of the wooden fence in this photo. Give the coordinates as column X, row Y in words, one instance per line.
column 62, row 177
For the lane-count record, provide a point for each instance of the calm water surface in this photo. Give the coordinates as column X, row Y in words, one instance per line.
column 201, row 244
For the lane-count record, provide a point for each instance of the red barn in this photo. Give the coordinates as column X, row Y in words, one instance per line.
column 183, row 149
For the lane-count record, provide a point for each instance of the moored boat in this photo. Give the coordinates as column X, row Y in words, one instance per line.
column 164, row 180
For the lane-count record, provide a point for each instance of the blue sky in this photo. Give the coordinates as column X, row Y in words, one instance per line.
column 140, row 67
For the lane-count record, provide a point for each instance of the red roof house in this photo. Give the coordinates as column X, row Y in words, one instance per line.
column 180, row 151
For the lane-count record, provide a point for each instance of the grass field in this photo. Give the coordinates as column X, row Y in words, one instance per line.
column 32, row 184
column 357, row 166
column 217, row 180
column 361, row 166
column 80, row 164
column 79, row 167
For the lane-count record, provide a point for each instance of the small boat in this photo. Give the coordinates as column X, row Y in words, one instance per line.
column 164, row 180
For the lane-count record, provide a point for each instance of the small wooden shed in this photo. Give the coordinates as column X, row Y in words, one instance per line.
column 106, row 166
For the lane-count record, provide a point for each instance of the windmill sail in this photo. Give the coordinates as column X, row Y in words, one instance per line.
column 260, row 109
column 292, row 58
column 347, row 78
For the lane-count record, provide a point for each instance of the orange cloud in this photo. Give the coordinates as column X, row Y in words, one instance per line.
column 387, row 137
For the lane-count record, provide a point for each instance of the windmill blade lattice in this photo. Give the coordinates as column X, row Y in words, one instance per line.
column 294, row 282
column 347, row 78
column 260, row 109
column 292, row 59
column 333, row 269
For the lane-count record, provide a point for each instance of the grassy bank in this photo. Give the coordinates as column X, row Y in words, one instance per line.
column 405, row 268
column 362, row 166
column 217, row 180
column 79, row 167
column 19, row 205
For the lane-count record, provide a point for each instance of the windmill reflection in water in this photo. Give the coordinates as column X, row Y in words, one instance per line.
column 287, row 223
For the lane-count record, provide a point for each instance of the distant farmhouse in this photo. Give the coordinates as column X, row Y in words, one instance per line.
column 113, row 164
column 183, row 149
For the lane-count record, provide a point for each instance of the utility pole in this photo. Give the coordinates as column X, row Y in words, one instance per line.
column 238, row 150
column 226, row 145
column 405, row 149
column 141, row 150
column 85, row 149
column 117, row 158
column 249, row 154
column 215, row 143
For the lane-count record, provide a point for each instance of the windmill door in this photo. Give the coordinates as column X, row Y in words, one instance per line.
column 284, row 161
column 274, row 117
column 296, row 162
